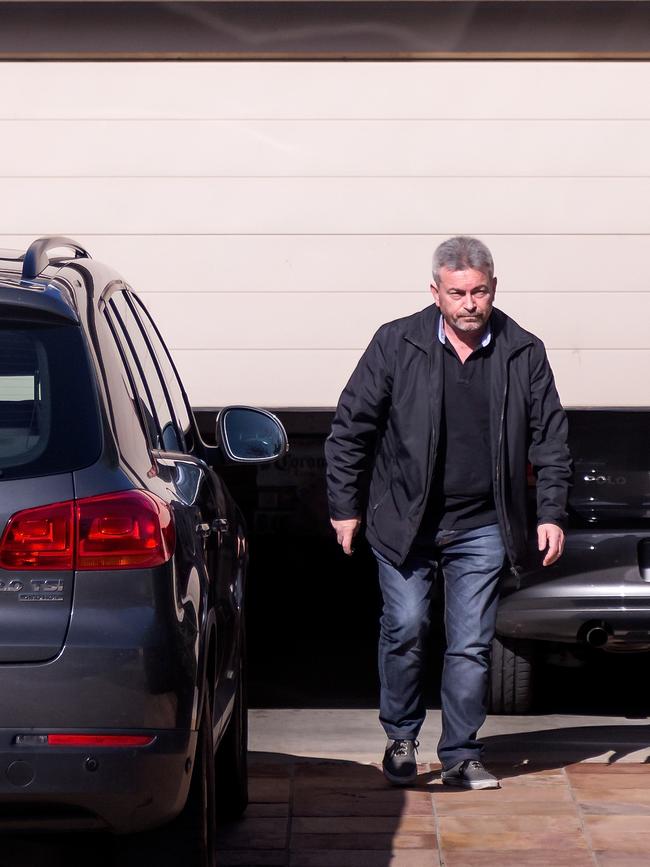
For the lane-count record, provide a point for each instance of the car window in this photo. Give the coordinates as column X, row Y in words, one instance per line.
column 162, row 424
column 618, row 439
column 612, row 464
column 134, row 380
column 168, row 370
column 49, row 421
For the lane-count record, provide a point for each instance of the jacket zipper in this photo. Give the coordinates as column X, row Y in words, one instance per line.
column 373, row 508
column 432, row 449
column 514, row 569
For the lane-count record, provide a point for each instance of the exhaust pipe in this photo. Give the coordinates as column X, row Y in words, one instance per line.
column 597, row 636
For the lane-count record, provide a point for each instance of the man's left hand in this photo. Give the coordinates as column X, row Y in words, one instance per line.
column 551, row 537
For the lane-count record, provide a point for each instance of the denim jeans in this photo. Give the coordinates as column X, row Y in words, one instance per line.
column 470, row 561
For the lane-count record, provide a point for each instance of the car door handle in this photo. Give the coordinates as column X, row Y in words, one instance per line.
column 221, row 525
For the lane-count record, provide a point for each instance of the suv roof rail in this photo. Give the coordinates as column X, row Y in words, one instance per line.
column 36, row 258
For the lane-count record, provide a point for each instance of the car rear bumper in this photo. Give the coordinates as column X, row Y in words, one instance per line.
column 599, row 581
column 626, row 619
column 123, row 789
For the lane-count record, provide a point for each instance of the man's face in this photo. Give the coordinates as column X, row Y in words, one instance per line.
column 465, row 298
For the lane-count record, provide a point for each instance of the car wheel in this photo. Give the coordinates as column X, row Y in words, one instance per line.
column 511, row 676
column 196, row 825
column 231, row 761
column 190, row 838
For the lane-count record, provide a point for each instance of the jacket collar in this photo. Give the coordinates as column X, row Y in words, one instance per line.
column 422, row 331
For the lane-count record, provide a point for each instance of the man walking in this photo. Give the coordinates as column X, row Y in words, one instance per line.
column 431, row 439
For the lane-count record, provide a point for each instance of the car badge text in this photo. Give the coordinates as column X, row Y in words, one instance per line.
column 35, row 589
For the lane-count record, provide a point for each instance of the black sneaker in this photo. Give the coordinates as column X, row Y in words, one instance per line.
column 470, row 774
column 399, row 764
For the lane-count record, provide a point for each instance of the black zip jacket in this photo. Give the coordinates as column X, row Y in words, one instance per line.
column 382, row 448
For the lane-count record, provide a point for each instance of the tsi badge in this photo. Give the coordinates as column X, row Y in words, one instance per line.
column 35, row 589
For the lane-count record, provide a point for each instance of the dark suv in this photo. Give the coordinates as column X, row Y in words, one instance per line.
column 122, row 565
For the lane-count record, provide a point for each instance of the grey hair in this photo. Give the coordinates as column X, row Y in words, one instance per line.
column 459, row 254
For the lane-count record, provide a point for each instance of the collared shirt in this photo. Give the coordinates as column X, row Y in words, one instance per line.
column 442, row 337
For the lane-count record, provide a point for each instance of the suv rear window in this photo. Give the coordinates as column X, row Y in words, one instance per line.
column 611, row 454
column 619, row 438
column 48, row 407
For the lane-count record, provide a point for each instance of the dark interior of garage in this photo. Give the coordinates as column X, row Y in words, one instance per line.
column 312, row 612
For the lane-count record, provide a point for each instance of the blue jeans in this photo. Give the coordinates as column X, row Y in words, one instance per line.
column 471, row 561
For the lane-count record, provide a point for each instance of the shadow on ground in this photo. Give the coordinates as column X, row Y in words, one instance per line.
column 303, row 809
column 320, row 812
column 313, row 812
column 525, row 752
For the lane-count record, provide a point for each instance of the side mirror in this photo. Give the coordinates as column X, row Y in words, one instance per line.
column 250, row 436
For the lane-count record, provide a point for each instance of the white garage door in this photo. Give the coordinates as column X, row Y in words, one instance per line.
column 272, row 215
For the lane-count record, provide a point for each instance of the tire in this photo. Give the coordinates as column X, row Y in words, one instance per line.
column 196, row 825
column 511, row 676
column 190, row 838
column 231, row 760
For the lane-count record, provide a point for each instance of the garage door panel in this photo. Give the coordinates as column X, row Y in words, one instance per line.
column 288, row 320
column 552, row 264
column 324, row 205
column 297, row 148
column 600, row 320
column 334, row 320
column 602, row 378
column 265, row 378
column 283, row 378
column 309, row 189
column 335, row 90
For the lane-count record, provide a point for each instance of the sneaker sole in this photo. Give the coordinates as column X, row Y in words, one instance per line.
column 468, row 784
column 399, row 781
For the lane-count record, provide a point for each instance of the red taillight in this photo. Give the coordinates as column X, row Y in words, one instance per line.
column 99, row 740
column 130, row 530
column 127, row 530
column 39, row 538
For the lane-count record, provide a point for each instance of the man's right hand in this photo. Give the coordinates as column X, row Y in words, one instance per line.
column 346, row 529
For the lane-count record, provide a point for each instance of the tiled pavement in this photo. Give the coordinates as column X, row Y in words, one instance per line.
column 341, row 813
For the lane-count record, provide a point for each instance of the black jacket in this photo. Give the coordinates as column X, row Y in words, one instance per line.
column 382, row 448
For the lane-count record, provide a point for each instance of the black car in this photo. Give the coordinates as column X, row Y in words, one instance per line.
column 122, row 566
column 596, row 598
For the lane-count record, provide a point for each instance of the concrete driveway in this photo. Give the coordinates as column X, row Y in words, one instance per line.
column 576, row 791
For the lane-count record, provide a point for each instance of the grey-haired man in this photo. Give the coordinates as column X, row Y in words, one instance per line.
column 431, row 439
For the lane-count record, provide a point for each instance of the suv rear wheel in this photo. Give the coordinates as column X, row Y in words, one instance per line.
column 511, row 676
column 190, row 838
column 231, row 762
column 195, row 827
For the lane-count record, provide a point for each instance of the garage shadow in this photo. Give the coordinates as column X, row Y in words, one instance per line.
column 519, row 753
column 70, row 849
column 317, row 811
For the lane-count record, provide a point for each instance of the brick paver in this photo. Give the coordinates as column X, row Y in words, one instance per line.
column 311, row 813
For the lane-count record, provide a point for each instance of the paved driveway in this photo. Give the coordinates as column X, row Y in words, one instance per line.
column 576, row 791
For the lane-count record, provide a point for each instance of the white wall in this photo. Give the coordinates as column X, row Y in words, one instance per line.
column 272, row 215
